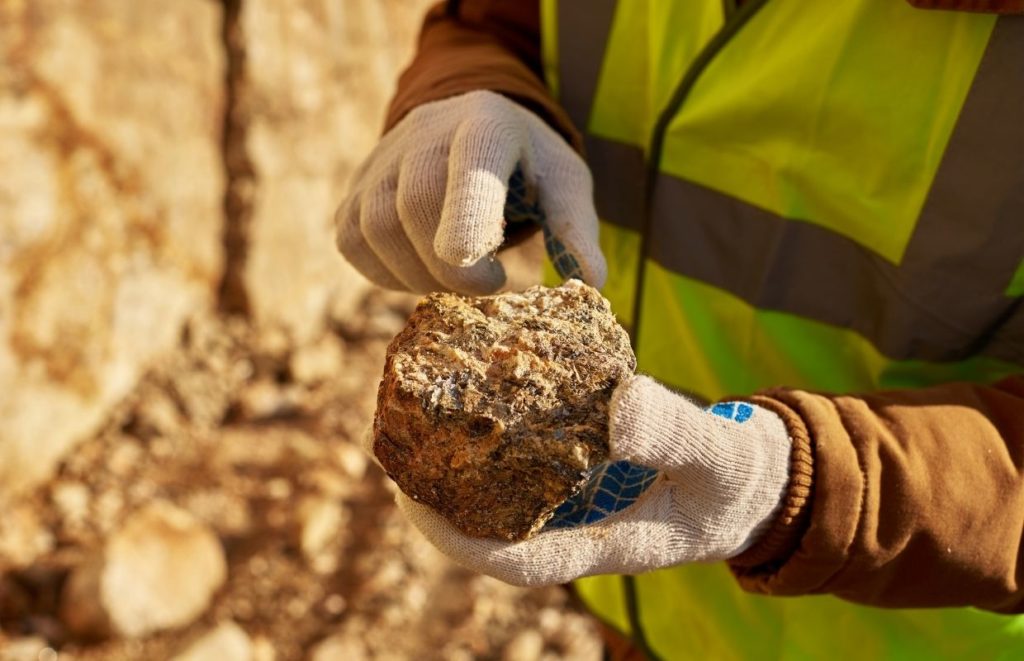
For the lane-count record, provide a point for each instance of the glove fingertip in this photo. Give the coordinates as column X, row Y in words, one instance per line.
column 462, row 253
column 465, row 241
column 597, row 271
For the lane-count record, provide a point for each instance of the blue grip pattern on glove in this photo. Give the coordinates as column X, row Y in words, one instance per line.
column 521, row 205
column 614, row 486
column 735, row 411
column 611, row 487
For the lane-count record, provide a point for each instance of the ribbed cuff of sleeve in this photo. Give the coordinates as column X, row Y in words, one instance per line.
column 783, row 537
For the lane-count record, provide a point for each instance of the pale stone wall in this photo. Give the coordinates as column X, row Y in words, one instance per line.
column 110, row 206
column 315, row 105
column 112, row 199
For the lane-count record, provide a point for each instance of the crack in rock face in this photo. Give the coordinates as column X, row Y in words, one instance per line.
column 493, row 409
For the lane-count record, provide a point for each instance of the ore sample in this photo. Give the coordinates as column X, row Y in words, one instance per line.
column 492, row 409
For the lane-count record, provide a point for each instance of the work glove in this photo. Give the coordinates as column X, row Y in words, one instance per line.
column 718, row 480
column 428, row 208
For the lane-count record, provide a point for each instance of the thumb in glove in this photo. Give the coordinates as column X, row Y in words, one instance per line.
column 428, row 208
column 686, row 484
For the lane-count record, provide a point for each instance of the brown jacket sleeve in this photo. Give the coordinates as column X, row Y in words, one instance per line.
column 905, row 499
column 480, row 45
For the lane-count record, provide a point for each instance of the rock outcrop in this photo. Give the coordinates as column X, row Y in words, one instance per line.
column 310, row 101
column 110, row 207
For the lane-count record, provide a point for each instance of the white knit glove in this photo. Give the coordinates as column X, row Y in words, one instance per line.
column 426, row 211
column 724, row 472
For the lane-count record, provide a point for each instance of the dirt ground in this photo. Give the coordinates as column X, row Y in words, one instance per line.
column 258, row 440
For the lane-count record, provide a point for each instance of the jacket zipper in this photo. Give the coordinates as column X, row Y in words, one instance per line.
column 734, row 21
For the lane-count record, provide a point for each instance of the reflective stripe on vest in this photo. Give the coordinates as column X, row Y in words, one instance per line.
column 839, row 205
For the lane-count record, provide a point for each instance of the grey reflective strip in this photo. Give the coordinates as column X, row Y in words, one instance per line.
column 976, row 203
column 619, row 171
column 806, row 270
column 580, row 66
column 585, row 26
column 944, row 302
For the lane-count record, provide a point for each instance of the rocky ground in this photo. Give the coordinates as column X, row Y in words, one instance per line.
column 240, row 438
column 185, row 360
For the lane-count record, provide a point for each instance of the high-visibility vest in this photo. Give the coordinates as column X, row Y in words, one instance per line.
column 823, row 195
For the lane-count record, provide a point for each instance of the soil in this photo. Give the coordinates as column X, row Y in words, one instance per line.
column 258, row 438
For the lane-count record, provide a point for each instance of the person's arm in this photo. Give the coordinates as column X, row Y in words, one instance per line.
column 911, row 498
column 480, row 45
column 901, row 499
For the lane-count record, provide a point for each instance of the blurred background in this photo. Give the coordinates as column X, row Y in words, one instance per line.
column 186, row 364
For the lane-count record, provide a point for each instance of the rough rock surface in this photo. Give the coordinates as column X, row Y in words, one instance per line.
column 492, row 409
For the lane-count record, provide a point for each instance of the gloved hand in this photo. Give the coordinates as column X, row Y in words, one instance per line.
column 723, row 474
column 426, row 210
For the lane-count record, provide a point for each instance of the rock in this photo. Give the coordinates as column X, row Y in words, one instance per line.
column 318, row 76
column 273, row 343
column 155, row 415
column 279, row 488
column 124, row 458
column 110, row 208
column 264, row 399
column 527, row 645
column 334, row 604
column 316, row 362
column 72, row 500
column 227, row 511
column 492, row 409
column 227, row 642
column 26, row 649
column 322, row 521
column 340, row 647
column 108, row 508
column 23, row 536
column 353, row 460
column 207, row 375
column 158, row 571
column 263, row 649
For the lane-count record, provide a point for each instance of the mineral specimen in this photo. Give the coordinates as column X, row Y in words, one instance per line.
column 492, row 409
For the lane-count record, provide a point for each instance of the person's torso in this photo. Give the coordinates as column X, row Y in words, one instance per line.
column 838, row 205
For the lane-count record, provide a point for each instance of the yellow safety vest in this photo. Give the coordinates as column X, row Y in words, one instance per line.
column 823, row 195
